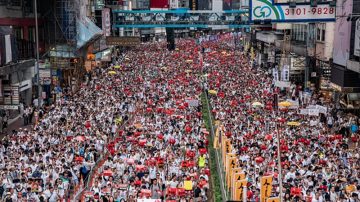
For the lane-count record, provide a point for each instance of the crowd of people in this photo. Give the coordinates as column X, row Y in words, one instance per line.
column 320, row 157
column 135, row 130
column 47, row 161
column 161, row 151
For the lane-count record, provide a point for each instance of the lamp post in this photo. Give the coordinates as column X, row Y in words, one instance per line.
column 37, row 54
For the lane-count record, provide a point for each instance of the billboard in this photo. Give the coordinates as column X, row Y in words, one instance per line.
column 106, row 24
column 159, row 4
column 342, row 33
column 231, row 5
column 122, row 41
column 357, row 39
column 268, row 10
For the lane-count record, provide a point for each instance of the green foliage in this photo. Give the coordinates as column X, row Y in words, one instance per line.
column 215, row 180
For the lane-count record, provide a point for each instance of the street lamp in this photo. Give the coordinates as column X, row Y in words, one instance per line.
column 37, row 54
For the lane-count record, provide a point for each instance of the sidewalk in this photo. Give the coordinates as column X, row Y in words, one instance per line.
column 14, row 124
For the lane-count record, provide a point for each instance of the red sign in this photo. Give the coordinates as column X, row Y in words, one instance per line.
column 159, row 3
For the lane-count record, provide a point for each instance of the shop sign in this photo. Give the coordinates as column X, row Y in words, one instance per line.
column 106, row 24
column 122, row 41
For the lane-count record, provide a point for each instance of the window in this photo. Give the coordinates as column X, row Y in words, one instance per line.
column 18, row 32
column 299, row 32
column 15, row 3
column 32, row 34
column 320, row 32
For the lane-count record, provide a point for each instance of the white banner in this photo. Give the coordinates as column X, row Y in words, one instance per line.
column 313, row 112
column 106, row 24
column 282, row 84
column 304, row 111
column 276, row 74
column 322, row 110
column 357, row 39
column 285, row 73
column 8, row 51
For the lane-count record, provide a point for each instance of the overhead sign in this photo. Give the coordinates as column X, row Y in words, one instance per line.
column 261, row 10
column 122, row 41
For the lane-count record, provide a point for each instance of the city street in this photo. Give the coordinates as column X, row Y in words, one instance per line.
column 179, row 101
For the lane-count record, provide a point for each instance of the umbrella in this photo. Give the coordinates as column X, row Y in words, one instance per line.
column 293, row 123
column 212, row 92
column 257, row 104
column 285, row 104
column 111, row 72
column 117, row 67
column 80, row 138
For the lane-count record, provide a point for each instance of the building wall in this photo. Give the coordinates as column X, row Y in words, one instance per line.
column 329, row 40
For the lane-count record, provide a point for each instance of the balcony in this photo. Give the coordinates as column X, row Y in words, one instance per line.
column 26, row 49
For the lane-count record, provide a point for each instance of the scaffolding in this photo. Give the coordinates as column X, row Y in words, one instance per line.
column 65, row 15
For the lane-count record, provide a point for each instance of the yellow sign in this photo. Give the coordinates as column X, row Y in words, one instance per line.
column 231, row 163
column 227, row 149
column 233, row 179
column 239, row 189
column 223, row 149
column 273, row 199
column 216, row 139
column 227, row 156
column 232, row 173
column 239, row 176
column 265, row 187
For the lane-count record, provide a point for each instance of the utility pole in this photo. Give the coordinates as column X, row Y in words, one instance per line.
column 37, row 54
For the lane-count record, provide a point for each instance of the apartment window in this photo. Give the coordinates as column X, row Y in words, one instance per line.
column 32, row 34
column 299, row 32
column 18, row 32
column 320, row 32
column 15, row 3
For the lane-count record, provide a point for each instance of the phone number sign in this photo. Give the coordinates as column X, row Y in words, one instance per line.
column 261, row 10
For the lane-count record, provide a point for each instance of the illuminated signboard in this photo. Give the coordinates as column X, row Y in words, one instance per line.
column 267, row 10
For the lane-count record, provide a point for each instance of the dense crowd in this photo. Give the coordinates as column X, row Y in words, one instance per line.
column 47, row 162
column 139, row 123
column 161, row 152
column 320, row 157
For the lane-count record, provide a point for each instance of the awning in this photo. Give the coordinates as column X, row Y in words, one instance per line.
column 87, row 31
